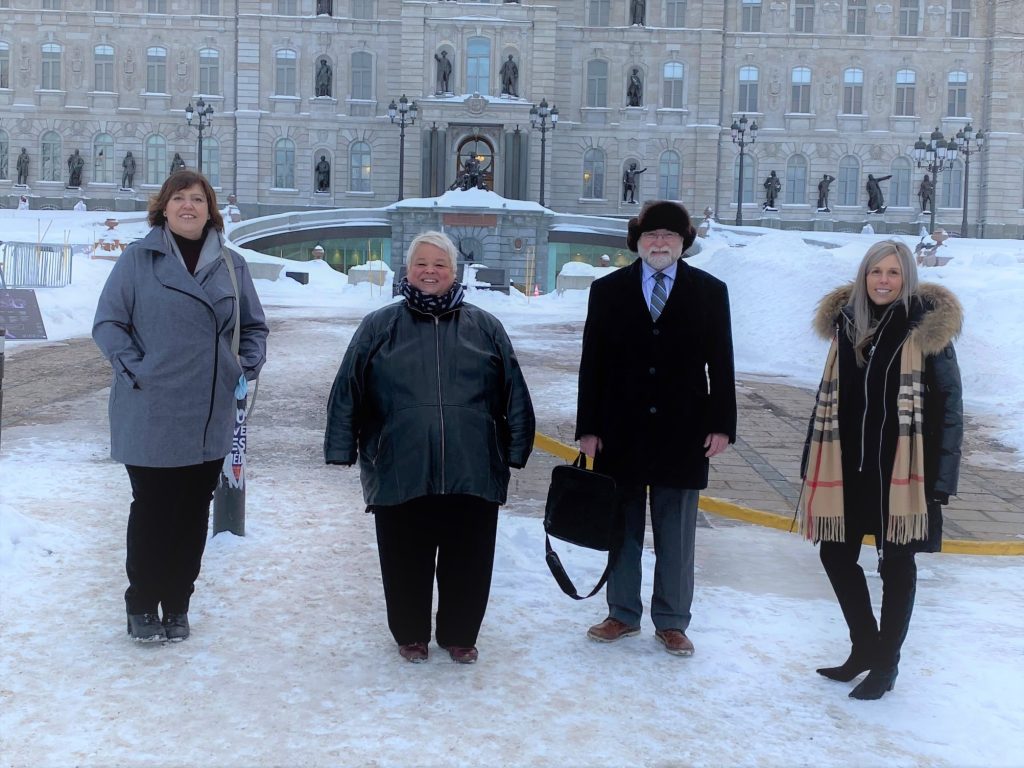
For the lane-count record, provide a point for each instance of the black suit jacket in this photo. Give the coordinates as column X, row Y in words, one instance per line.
column 652, row 391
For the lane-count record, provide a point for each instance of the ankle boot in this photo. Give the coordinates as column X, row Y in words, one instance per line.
column 876, row 684
column 860, row 660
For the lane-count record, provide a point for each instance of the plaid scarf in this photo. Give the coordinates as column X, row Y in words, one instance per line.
column 430, row 304
column 821, row 502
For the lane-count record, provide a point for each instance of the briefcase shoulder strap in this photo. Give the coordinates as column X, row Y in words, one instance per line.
column 555, row 565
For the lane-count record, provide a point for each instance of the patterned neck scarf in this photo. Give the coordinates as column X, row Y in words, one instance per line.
column 430, row 304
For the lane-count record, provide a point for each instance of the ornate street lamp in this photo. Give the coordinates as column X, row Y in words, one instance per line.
column 739, row 138
column 204, row 113
column 539, row 116
column 963, row 140
column 935, row 156
column 405, row 113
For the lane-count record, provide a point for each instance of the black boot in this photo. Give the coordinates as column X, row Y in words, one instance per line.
column 851, row 588
column 861, row 658
column 176, row 626
column 878, row 682
column 145, row 628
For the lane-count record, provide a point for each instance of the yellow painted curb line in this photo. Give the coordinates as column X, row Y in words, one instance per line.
column 784, row 522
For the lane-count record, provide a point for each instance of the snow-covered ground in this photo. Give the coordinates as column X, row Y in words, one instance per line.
column 291, row 664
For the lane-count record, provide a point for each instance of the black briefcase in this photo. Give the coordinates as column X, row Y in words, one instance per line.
column 582, row 509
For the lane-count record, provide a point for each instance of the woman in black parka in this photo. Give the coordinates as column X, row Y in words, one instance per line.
column 883, row 448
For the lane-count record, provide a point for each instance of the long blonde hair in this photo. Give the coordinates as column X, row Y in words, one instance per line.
column 862, row 328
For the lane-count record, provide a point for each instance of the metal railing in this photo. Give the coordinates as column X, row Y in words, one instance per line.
column 28, row 265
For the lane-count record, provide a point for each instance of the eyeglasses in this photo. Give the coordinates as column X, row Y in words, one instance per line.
column 659, row 234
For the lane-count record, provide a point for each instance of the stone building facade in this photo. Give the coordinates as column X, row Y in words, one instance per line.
column 837, row 87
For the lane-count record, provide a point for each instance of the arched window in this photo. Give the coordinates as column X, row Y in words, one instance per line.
column 748, row 179
column 478, row 65
column 747, row 92
column 51, row 66
column 50, row 146
column 597, row 83
column 156, row 70
column 672, row 74
column 5, row 65
column 103, row 68
column 5, row 148
column 284, row 164
column 211, row 160
column 360, row 167
column 950, row 192
column 957, row 100
column 800, row 93
column 156, row 159
column 669, row 171
column 362, row 75
column 103, row 158
column 593, row 174
column 906, row 81
column 209, row 72
column 795, row 190
column 848, row 181
column 853, row 91
column 899, row 184
column 286, row 73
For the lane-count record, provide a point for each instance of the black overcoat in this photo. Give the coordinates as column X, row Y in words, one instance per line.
column 653, row 391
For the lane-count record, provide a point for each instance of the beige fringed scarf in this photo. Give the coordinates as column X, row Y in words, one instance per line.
column 821, row 503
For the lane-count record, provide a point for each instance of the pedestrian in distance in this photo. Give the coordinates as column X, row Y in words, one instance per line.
column 431, row 401
column 883, row 448
column 184, row 331
column 657, row 400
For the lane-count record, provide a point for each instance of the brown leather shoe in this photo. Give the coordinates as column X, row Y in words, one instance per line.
column 463, row 654
column 414, row 652
column 610, row 630
column 675, row 641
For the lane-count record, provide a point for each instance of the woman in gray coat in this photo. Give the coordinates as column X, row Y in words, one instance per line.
column 169, row 318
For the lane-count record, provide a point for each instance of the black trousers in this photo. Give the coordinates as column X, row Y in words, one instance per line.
column 452, row 536
column 167, row 529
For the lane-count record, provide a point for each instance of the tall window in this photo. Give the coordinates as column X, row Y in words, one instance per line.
column 51, row 5
column 5, row 148
column 748, row 179
column 957, row 101
column 795, row 191
column 211, row 160
column 103, row 62
column 284, row 164
column 104, row 5
column 910, row 17
column 747, row 90
column 209, row 8
column 593, row 174
column 360, row 167
column 598, row 13
column 362, row 75
column 950, row 187
column 960, row 18
column 669, row 171
column 209, row 72
column 156, row 70
column 5, row 65
column 672, row 74
column 103, row 159
column 906, row 81
column 286, row 69
column 853, row 92
column 362, row 9
column 478, row 65
column 51, row 67
column 50, row 162
column 856, row 17
column 155, row 159
column 803, row 16
column 675, row 14
column 899, row 185
column 156, row 6
column 848, row 181
column 597, row 83
column 800, row 98
column 287, row 7
column 750, row 16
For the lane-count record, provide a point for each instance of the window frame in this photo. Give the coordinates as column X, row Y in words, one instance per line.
column 286, row 75
column 595, row 162
column 360, row 167
column 853, row 91
column 156, row 69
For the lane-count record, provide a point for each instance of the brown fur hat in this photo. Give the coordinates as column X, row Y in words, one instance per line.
column 661, row 214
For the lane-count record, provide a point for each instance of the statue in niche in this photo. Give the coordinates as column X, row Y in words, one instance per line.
column 637, row 12
column 323, row 7
column 823, row 185
column 926, row 194
column 177, row 164
column 630, row 181
column 635, row 89
column 127, row 171
column 876, row 202
column 323, row 78
column 444, row 73
column 772, row 187
column 323, row 175
column 75, row 165
column 510, row 77
column 22, row 166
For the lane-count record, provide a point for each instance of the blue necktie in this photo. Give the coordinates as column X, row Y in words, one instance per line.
column 658, row 296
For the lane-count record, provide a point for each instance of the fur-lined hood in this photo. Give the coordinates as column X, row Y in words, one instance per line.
column 940, row 323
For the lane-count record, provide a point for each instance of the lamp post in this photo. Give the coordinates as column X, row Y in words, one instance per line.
column 963, row 140
column 936, row 156
column 739, row 137
column 405, row 113
column 539, row 116
column 204, row 113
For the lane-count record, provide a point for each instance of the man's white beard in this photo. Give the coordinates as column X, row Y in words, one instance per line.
column 658, row 262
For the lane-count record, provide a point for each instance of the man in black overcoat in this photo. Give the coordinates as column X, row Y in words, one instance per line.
column 657, row 400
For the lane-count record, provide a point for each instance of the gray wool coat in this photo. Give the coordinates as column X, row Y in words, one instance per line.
column 167, row 335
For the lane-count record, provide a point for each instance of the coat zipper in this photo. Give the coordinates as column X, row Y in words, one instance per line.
column 440, row 399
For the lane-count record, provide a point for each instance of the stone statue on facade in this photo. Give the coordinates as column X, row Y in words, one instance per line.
column 22, row 166
column 75, row 165
column 177, row 164
column 630, row 181
column 637, row 12
column 823, row 186
column 510, row 77
column 323, row 175
column 635, row 89
column 926, row 194
column 772, row 187
column 323, row 78
column 444, row 73
column 876, row 202
column 470, row 177
column 323, row 7
column 127, row 171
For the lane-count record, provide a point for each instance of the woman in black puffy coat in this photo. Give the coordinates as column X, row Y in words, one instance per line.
column 883, row 449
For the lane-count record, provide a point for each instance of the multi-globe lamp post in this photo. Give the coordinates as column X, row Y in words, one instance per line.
column 968, row 142
column 404, row 113
column 739, row 138
column 935, row 156
column 539, row 117
column 203, row 115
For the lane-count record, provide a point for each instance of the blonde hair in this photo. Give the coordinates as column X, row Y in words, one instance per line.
column 436, row 239
column 862, row 328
